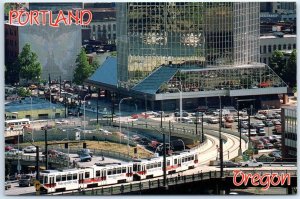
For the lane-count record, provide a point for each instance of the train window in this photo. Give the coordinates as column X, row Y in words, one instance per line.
column 63, row 178
column 109, row 172
column 159, row 164
column 114, row 171
column 98, row 173
column 155, row 165
column 139, row 168
column 134, row 167
column 168, row 163
column 151, row 166
column 74, row 176
column 182, row 160
column 58, row 178
column 175, row 161
column 69, row 177
column 86, row 174
column 148, row 166
column 119, row 170
column 123, row 169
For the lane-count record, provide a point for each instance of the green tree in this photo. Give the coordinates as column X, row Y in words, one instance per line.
column 95, row 65
column 27, row 62
column 23, row 92
column 291, row 69
column 277, row 63
column 83, row 69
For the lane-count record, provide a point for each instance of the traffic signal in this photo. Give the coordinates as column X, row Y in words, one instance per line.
column 66, row 145
column 84, row 145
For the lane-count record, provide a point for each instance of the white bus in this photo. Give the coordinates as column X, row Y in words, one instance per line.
column 17, row 124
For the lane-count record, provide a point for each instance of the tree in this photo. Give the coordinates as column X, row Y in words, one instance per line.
column 22, row 92
column 83, row 69
column 27, row 62
column 277, row 63
column 95, row 65
column 291, row 69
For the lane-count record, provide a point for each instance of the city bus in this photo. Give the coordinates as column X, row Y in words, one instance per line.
column 17, row 124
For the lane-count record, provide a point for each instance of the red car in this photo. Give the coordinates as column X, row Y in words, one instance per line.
column 8, row 148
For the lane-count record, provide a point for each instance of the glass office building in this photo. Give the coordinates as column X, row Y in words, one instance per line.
column 193, row 34
column 203, row 49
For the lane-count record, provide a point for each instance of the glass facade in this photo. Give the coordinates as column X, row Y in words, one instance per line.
column 290, row 131
column 225, row 78
column 190, row 35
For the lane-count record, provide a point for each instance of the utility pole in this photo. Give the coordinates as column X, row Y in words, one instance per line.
column 202, row 129
column 65, row 105
column 197, row 123
column 164, row 161
column 220, row 139
column 46, row 148
column 37, row 166
column 98, row 96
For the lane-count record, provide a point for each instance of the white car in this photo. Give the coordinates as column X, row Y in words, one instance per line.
column 14, row 152
column 252, row 163
column 29, row 149
column 260, row 117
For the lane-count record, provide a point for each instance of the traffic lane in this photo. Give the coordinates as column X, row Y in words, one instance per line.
column 17, row 190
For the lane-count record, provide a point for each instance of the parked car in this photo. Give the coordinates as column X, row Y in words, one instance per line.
column 27, row 180
column 85, row 158
column 269, row 146
column 277, row 145
column 231, row 164
column 213, row 120
column 276, row 154
column 7, row 185
column 260, row 125
column 261, row 131
column 226, row 125
column 252, row 163
column 48, row 126
column 253, row 132
column 30, row 149
column 259, row 145
column 260, row 116
column 268, row 123
column 85, row 151
column 184, row 114
column 14, row 152
column 8, row 148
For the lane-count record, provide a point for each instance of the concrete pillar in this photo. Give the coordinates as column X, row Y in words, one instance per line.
column 285, row 99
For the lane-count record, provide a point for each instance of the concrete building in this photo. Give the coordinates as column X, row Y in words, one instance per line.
column 289, row 133
column 33, row 109
column 270, row 43
column 193, row 51
column 103, row 26
column 56, row 48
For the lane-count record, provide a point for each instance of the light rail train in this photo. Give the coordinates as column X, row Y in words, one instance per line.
column 100, row 175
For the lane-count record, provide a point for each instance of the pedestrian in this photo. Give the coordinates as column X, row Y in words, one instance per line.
column 102, row 158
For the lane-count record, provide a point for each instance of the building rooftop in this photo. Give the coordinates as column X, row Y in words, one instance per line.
column 25, row 105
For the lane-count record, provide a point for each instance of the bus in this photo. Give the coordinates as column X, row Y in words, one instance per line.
column 17, row 124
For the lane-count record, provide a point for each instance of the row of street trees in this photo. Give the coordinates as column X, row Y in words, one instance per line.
column 29, row 68
column 286, row 68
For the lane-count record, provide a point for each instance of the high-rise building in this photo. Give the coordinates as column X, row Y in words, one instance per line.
column 199, row 49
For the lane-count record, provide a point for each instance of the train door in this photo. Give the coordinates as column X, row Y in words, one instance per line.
column 196, row 159
column 103, row 177
column 80, row 180
column 51, row 184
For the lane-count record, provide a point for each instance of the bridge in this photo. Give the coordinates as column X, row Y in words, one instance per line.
column 211, row 177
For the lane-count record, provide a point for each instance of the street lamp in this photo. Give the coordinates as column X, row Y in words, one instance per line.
column 31, row 118
column 126, row 98
column 84, row 114
column 220, row 139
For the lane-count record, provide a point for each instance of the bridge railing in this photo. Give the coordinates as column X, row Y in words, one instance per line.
column 172, row 179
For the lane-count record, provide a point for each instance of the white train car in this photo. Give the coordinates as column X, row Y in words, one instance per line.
column 118, row 173
column 148, row 168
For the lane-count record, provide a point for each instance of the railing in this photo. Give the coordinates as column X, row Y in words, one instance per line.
column 171, row 180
